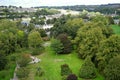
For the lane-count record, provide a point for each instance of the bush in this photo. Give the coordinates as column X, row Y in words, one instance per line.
column 24, row 60
column 87, row 70
column 65, row 70
column 22, row 72
column 72, row 77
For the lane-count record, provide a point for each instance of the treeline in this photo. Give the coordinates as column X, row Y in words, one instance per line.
column 106, row 9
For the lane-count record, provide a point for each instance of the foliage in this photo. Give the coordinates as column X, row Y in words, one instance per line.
column 65, row 70
column 67, row 45
column 87, row 70
column 3, row 61
column 112, row 70
column 72, row 26
column 46, row 12
column 100, row 18
column 59, row 26
column 57, row 46
column 24, row 60
column 109, row 48
column 22, row 72
column 42, row 32
column 72, row 77
column 8, row 39
column 88, row 40
column 34, row 39
column 110, row 20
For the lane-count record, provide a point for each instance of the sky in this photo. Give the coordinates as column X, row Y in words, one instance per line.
column 33, row 3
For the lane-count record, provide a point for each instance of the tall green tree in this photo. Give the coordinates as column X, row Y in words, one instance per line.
column 57, row 46
column 112, row 70
column 34, row 39
column 87, row 70
column 72, row 26
column 109, row 48
column 88, row 40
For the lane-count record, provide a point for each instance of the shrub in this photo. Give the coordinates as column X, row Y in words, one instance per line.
column 72, row 77
column 24, row 60
column 22, row 72
column 65, row 70
column 87, row 70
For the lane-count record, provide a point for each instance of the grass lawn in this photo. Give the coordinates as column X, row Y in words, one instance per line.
column 51, row 65
column 116, row 29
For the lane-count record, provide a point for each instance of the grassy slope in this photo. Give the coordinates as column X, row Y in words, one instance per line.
column 116, row 29
column 51, row 65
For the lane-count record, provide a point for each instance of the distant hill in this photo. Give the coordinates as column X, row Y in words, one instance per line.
column 104, row 8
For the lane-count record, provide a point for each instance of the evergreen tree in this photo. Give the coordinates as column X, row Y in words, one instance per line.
column 87, row 70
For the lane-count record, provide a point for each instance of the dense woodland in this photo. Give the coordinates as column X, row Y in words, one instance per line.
column 94, row 42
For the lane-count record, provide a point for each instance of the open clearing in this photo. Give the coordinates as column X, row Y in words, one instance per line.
column 51, row 65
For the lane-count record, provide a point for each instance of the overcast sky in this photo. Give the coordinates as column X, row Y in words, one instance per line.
column 32, row 3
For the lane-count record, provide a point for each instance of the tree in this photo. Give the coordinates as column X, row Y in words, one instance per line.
column 65, row 70
column 42, row 32
column 72, row 26
column 109, row 48
column 59, row 26
column 87, row 70
column 34, row 39
column 88, row 40
column 112, row 70
column 57, row 46
column 100, row 18
column 8, row 32
column 20, row 38
column 66, row 43
column 110, row 20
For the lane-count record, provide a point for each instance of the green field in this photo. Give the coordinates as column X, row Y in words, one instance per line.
column 51, row 65
column 116, row 29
